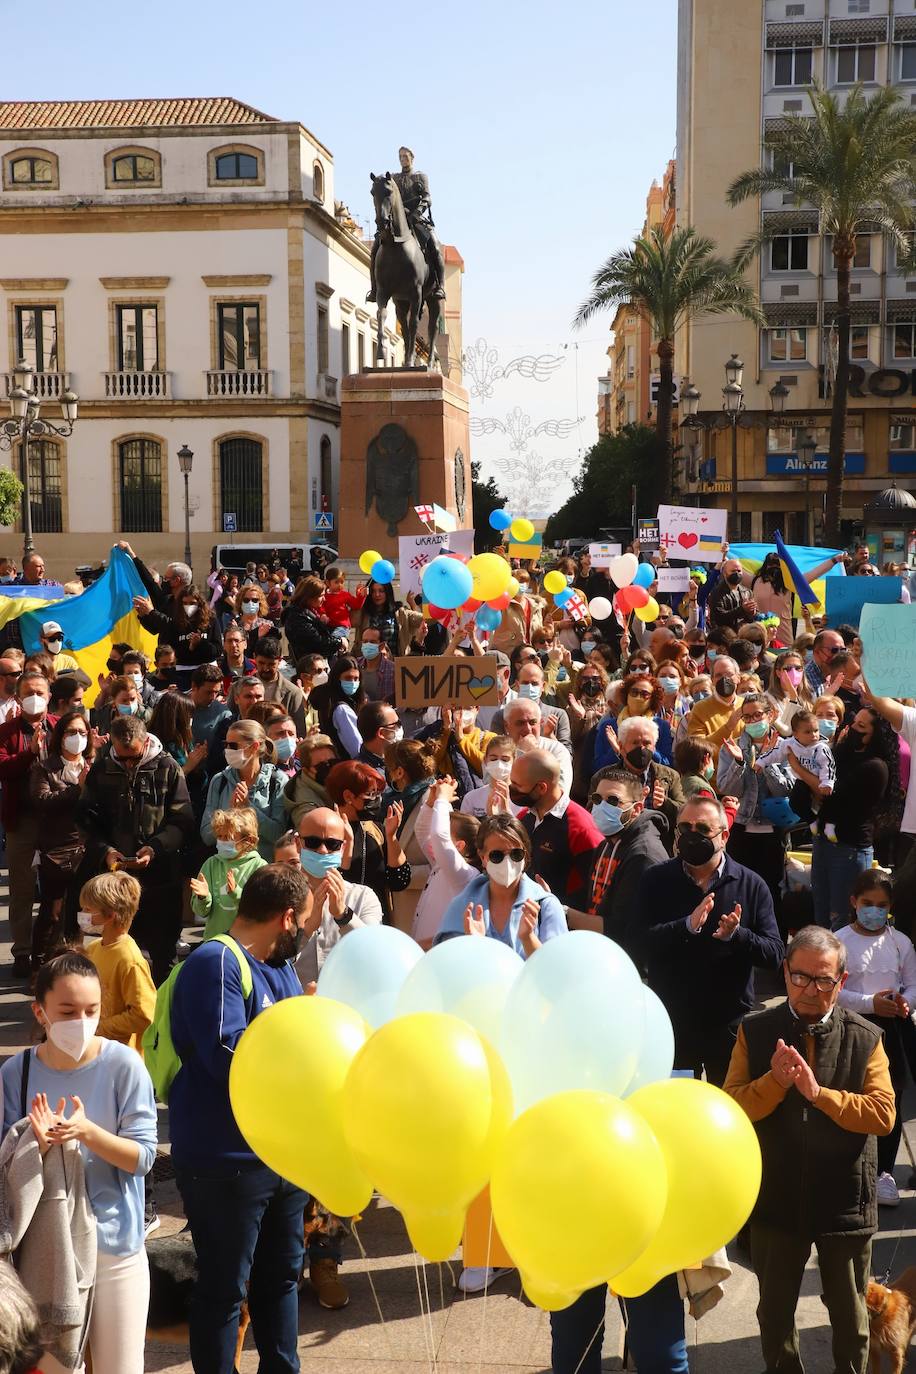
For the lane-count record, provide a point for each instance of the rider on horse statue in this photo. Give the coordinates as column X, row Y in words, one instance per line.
column 414, row 189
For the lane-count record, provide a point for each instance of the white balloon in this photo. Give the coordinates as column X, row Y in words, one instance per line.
column 623, row 569
column 599, row 608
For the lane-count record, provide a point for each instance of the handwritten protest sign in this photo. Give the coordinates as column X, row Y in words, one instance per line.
column 673, row 580
column 847, row 596
column 602, row 555
column 695, row 532
column 889, row 647
column 416, row 550
column 446, row 681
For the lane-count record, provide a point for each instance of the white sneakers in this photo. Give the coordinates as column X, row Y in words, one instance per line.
column 888, row 1196
column 476, row 1280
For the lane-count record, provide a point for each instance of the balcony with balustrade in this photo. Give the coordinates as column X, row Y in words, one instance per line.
column 138, row 386
column 48, row 386
column 232, row 384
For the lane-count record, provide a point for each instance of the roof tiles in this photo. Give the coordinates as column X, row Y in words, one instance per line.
column 128, row 114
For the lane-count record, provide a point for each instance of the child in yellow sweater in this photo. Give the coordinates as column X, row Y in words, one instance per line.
column 109, row 904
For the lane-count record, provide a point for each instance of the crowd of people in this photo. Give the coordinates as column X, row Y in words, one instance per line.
column 717, row 791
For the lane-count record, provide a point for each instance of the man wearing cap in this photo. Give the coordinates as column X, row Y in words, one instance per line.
column 52, row 641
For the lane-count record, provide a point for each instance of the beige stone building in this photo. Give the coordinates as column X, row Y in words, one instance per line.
column 743, row 67
column 182, row 265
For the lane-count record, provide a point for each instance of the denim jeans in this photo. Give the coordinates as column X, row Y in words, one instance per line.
column 834, row 870
column 655, row 1331
column 247, row 1230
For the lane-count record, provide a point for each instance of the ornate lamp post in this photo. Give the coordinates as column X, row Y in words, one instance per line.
column 26, row 424
column 806, row 451
column 185, row 461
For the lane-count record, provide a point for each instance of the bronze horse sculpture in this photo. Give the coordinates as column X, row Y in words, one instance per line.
column 402, row 273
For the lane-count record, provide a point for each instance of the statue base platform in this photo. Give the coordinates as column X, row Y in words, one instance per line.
column 433, row 413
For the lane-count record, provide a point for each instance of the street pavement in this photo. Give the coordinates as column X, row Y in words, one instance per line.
column 405, row 1316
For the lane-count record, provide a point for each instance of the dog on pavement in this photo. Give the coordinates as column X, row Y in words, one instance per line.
column 891, row 1320
column 173, row 1274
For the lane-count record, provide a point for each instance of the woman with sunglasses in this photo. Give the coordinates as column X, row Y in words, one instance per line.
column 504, row 903
column 378, row 861
column 250, row 779
column 789, row 690
column 756, row 840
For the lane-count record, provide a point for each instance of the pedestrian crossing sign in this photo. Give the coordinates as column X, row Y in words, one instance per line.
column 324, row 520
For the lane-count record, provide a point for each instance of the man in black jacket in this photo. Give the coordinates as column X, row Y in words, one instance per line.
column 613, row 872
column 731, row 603
column 136, row 814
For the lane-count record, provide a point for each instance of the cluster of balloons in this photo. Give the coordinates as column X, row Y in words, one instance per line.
column 380, row 569
column 632, row 580
column 482, row 585
column 428, row 1076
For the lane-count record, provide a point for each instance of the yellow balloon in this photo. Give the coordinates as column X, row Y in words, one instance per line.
column 649, row 612
column 522, row 530
column 368, row 560
column 602, row 1168
column 512, row 586
column 424, row 1110
column 286, row 1086
column 555, row 582
column 713, row 1161
column 491, row 576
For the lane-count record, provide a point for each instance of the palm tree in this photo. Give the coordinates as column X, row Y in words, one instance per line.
column 669, row 281
column 855, row 162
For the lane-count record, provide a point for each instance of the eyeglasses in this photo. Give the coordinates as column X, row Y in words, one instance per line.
column 640, row 696
column 315, row 842
column 701, row 828
column 14, row 672
column 697, row 646
column 804, row 980
column 596, row 799
column 757, row 716
column 496, row 856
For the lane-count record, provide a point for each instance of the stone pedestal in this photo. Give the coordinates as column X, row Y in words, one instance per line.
column 433, row 414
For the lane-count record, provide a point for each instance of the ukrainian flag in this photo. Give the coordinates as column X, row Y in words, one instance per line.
column 103, row 615
column 792, row 575
column 532, row 548
column 804, row 556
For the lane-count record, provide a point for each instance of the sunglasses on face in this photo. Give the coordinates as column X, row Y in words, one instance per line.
column 314, row 842
column 596, row 799
column 701, row 828
column 640, row 696
column 496, row 856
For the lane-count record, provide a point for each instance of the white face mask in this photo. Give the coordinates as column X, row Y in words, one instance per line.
column 498, row 769
column 505, row 874
column 73, row 1038
column 236, row 758
column 397, row 734
column 191, row 610
column 33, row 705
column 136, row 679
column 86, row 922
column 55, row 645
column 319, row 679
column 75, row 743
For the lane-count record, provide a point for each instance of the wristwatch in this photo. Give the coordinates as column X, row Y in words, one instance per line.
column 345, row 919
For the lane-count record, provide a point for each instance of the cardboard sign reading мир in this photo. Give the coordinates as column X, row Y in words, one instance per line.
column 446, row 681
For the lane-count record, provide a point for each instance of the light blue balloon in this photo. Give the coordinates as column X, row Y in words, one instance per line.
column 447, row 583
column 468, row 977
column 574, row 1019
column 500, row 519
column 561, row 598
column 366, row 971
column 656, row 1058
column 645, row 575
column 488, row 619
column 384, row 572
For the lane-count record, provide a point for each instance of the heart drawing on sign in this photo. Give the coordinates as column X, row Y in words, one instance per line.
column 478, row 686
column 687, row 541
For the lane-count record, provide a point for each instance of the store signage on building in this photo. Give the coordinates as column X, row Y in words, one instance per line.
column 883, row 381
column 790, row 465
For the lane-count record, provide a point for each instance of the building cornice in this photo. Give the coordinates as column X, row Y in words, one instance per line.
column 223, row 282
column 34, row 283
column 253, row 410
column 135, row 283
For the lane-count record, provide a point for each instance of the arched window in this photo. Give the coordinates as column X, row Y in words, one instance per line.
column 140, row 485
column 318, row 181
column 130, row 169
column 46, row 487
column 327, row 474
column 30, row 168
column 241, row 482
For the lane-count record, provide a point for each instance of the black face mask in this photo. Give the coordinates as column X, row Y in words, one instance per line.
column 638, row 758
column 695, row 849
column 590, row 687
column 542, row 655
column 322, row 770
column 520, row 798
column 286, row 948
column 725, row 687
column 733, row 579
column 371, row 808
column 856, row 738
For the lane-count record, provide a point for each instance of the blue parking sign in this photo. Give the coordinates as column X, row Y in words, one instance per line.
column 230, row 522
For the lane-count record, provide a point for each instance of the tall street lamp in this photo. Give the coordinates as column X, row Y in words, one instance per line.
column 806, row 452
column 185, row 461
column 733, row 405
column 26, row 425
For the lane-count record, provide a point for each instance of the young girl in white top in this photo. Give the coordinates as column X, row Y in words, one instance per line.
column 447, row 838
column 881, row 985
column 497, row 765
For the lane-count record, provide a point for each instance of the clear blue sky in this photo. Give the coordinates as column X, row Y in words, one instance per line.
column 540, row 125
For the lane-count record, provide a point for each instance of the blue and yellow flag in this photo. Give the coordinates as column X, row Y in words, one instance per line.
column 103, row 615
column 792, row 574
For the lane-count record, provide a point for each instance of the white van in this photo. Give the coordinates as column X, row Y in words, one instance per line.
column 235, row 557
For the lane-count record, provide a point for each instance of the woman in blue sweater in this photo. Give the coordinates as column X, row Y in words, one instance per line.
column 77, row 1086
column 642, row 697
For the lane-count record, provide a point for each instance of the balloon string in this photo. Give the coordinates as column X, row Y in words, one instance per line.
column 378, row 1305
column 486, row 1289
column 430, row 1352
column 588, row 1349
column 429, row 1313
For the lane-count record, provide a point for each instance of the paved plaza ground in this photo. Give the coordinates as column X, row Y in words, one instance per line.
column 384, row 1332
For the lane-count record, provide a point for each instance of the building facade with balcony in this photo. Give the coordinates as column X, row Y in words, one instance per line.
column 741, row 69
column 183, row 266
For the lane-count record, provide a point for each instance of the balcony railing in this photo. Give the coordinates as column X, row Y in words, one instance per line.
column 231, row 384
column 49, row 386
column 137, row 386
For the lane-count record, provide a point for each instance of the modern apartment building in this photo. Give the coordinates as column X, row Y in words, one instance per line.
column 743, row 68
column 182, row 265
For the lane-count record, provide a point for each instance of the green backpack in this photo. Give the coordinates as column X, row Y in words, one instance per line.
column 159, row 1053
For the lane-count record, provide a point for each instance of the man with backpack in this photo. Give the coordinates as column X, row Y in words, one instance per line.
column 246, row 1221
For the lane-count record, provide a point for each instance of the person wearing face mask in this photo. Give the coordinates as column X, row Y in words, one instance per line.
column 55, row 785
column 410, row 766
column 637, row 744
column 705, row 923
column 503, row 903
column 277, row 687
column 376, row 666
column 376, row 859
column 337, row 905
column 378, row 725
column 719, row 717
column 642, row 700
column 448, row 838
column 340, row 705
column 230, row 1198
column 217, row 889
column 281, row 731
column 633, row 841
column 24, row 740
column 497, row 766
column 789, row 690
column 93, row 1097
column 560, row 829
column 250, row 779
column 529, row 686
column 881, row 986
column 189, row 626
column 123, row 699
column 752, row 769
column 51, row 638
column 730, row 602
column 317, row 756
column 585, row 707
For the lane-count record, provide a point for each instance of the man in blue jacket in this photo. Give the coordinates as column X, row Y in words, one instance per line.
column 246, row 1221
column 706, row 923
